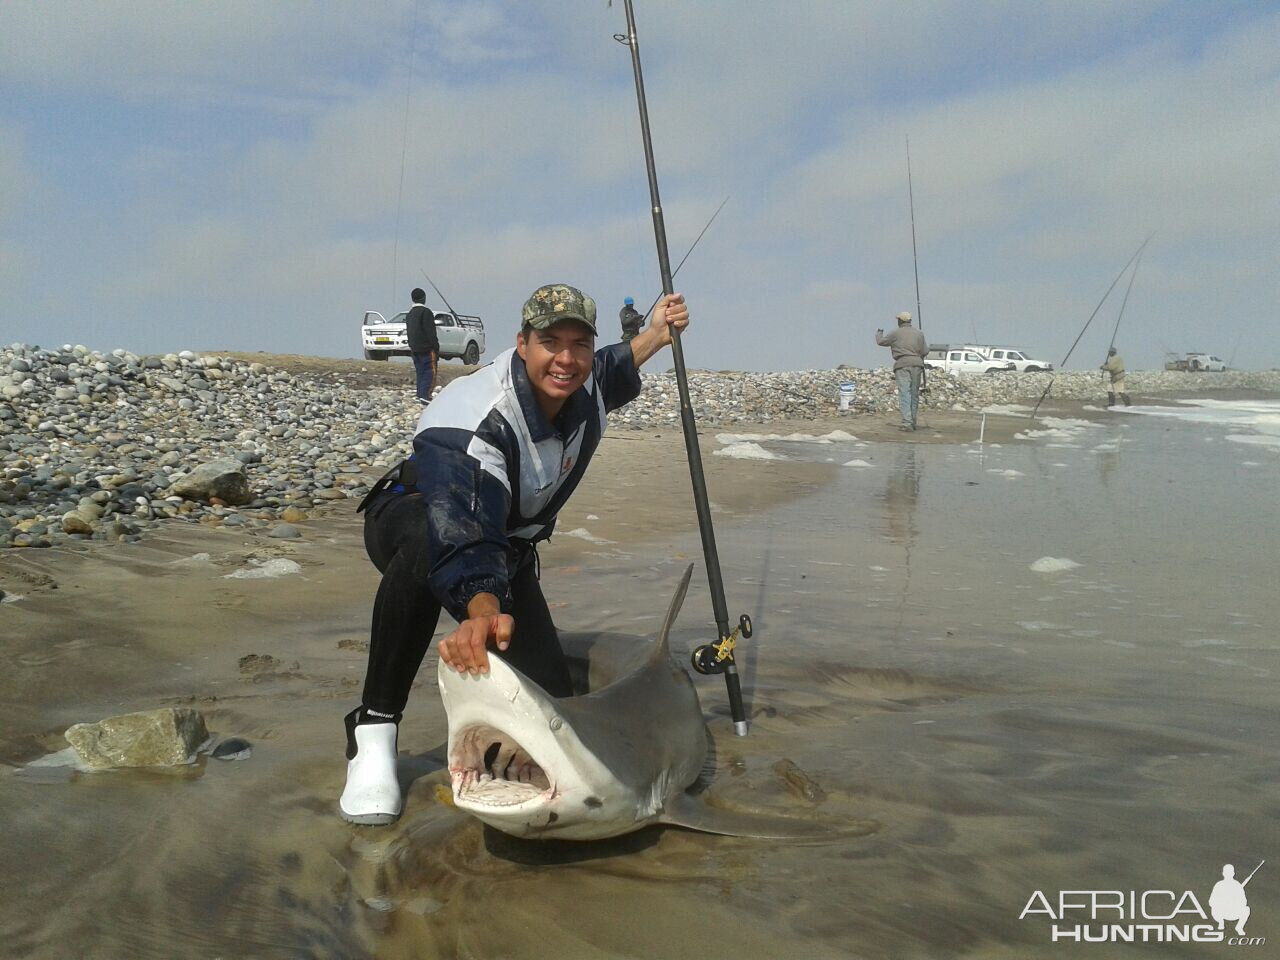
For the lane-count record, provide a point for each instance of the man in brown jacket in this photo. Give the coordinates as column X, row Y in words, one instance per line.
column 1115, row 367
column 909, row 348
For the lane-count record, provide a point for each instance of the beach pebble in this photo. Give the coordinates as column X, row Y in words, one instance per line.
column 153, row 738
column 233, row 748
column 223, row 479
column 75, row 523
column 156, row 440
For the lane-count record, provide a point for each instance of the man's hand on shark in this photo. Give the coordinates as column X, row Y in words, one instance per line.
column 465, row 649
column 597, row 765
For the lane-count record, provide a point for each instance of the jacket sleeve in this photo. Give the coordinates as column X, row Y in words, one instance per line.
column 464, row 485
column 886, row 340
column 616, row 375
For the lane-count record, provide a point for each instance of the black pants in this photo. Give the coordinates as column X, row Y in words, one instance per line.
column 405, row 612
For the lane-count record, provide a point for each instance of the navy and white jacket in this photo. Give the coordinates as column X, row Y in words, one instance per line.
column 494, row 472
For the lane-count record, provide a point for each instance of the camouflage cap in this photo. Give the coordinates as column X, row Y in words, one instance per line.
column 555, row 302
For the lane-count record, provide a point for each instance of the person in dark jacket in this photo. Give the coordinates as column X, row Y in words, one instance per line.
column 424, row 344
column 630, row 318
column 456, row 526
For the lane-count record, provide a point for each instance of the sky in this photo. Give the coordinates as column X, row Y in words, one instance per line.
column 256, row 175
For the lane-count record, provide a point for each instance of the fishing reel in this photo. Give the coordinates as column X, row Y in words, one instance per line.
column 718, row 657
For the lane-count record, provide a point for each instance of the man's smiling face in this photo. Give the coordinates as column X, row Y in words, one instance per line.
column 558, row 360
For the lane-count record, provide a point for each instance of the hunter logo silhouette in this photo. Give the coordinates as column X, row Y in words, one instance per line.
column 1228, row 900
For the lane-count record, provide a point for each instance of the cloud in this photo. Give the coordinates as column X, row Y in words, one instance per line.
column 154, row 49
column 234, row 171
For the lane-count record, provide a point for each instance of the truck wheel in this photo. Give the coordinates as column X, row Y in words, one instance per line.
column 1032, row 370
column 471, row 356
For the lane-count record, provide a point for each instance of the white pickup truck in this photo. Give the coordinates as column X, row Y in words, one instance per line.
column 950, row 359
column 461, row 337
column 1196, row 362
column 1021, row 362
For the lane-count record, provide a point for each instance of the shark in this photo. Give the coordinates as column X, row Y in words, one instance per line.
column 594, row 766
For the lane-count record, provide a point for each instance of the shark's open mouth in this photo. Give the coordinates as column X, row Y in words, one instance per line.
column 490, row 768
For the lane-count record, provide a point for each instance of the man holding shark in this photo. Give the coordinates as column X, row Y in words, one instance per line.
column 455, row 527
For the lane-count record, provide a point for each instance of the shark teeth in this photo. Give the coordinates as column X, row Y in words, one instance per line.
column 497, row 793
column 490, row 768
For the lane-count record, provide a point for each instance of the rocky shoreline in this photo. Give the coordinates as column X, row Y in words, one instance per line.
column 103, row 446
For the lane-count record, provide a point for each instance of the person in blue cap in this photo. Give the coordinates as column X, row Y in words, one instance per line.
column 632, row 319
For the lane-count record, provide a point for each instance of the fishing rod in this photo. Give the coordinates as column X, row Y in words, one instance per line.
column 1255, row 870
column 1119, row 316
column 1136, row 253
column 440, row 295
column 676, row 271
column 915, row 263
column 1123, row 303
column 714, row 657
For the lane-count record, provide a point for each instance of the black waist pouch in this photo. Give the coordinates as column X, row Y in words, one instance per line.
column 402, row 478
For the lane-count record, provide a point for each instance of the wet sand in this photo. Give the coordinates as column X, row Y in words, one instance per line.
column 1008, row 730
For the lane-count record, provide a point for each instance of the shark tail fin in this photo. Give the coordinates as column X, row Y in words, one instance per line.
column 673, row 610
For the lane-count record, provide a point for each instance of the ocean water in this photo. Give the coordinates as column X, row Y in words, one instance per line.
column 1255, row 422
column 1038, row 667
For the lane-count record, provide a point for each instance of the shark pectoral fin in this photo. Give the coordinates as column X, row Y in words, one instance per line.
column 686, row 810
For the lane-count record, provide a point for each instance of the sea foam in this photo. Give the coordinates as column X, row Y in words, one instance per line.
column 1053, row 565
column 747, row 451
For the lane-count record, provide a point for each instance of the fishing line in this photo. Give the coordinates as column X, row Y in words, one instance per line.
column 686, row 255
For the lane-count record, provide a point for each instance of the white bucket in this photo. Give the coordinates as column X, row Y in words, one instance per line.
column 847, row 390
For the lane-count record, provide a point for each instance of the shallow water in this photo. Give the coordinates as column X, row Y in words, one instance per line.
column 1106, row 726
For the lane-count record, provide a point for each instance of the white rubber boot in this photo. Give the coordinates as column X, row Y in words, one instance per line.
column 372, row 793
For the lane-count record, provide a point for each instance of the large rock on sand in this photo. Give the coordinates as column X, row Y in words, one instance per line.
column 224, row 479
column 153, row 738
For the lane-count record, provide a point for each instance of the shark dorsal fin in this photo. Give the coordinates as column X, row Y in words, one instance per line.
column 673, row 610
